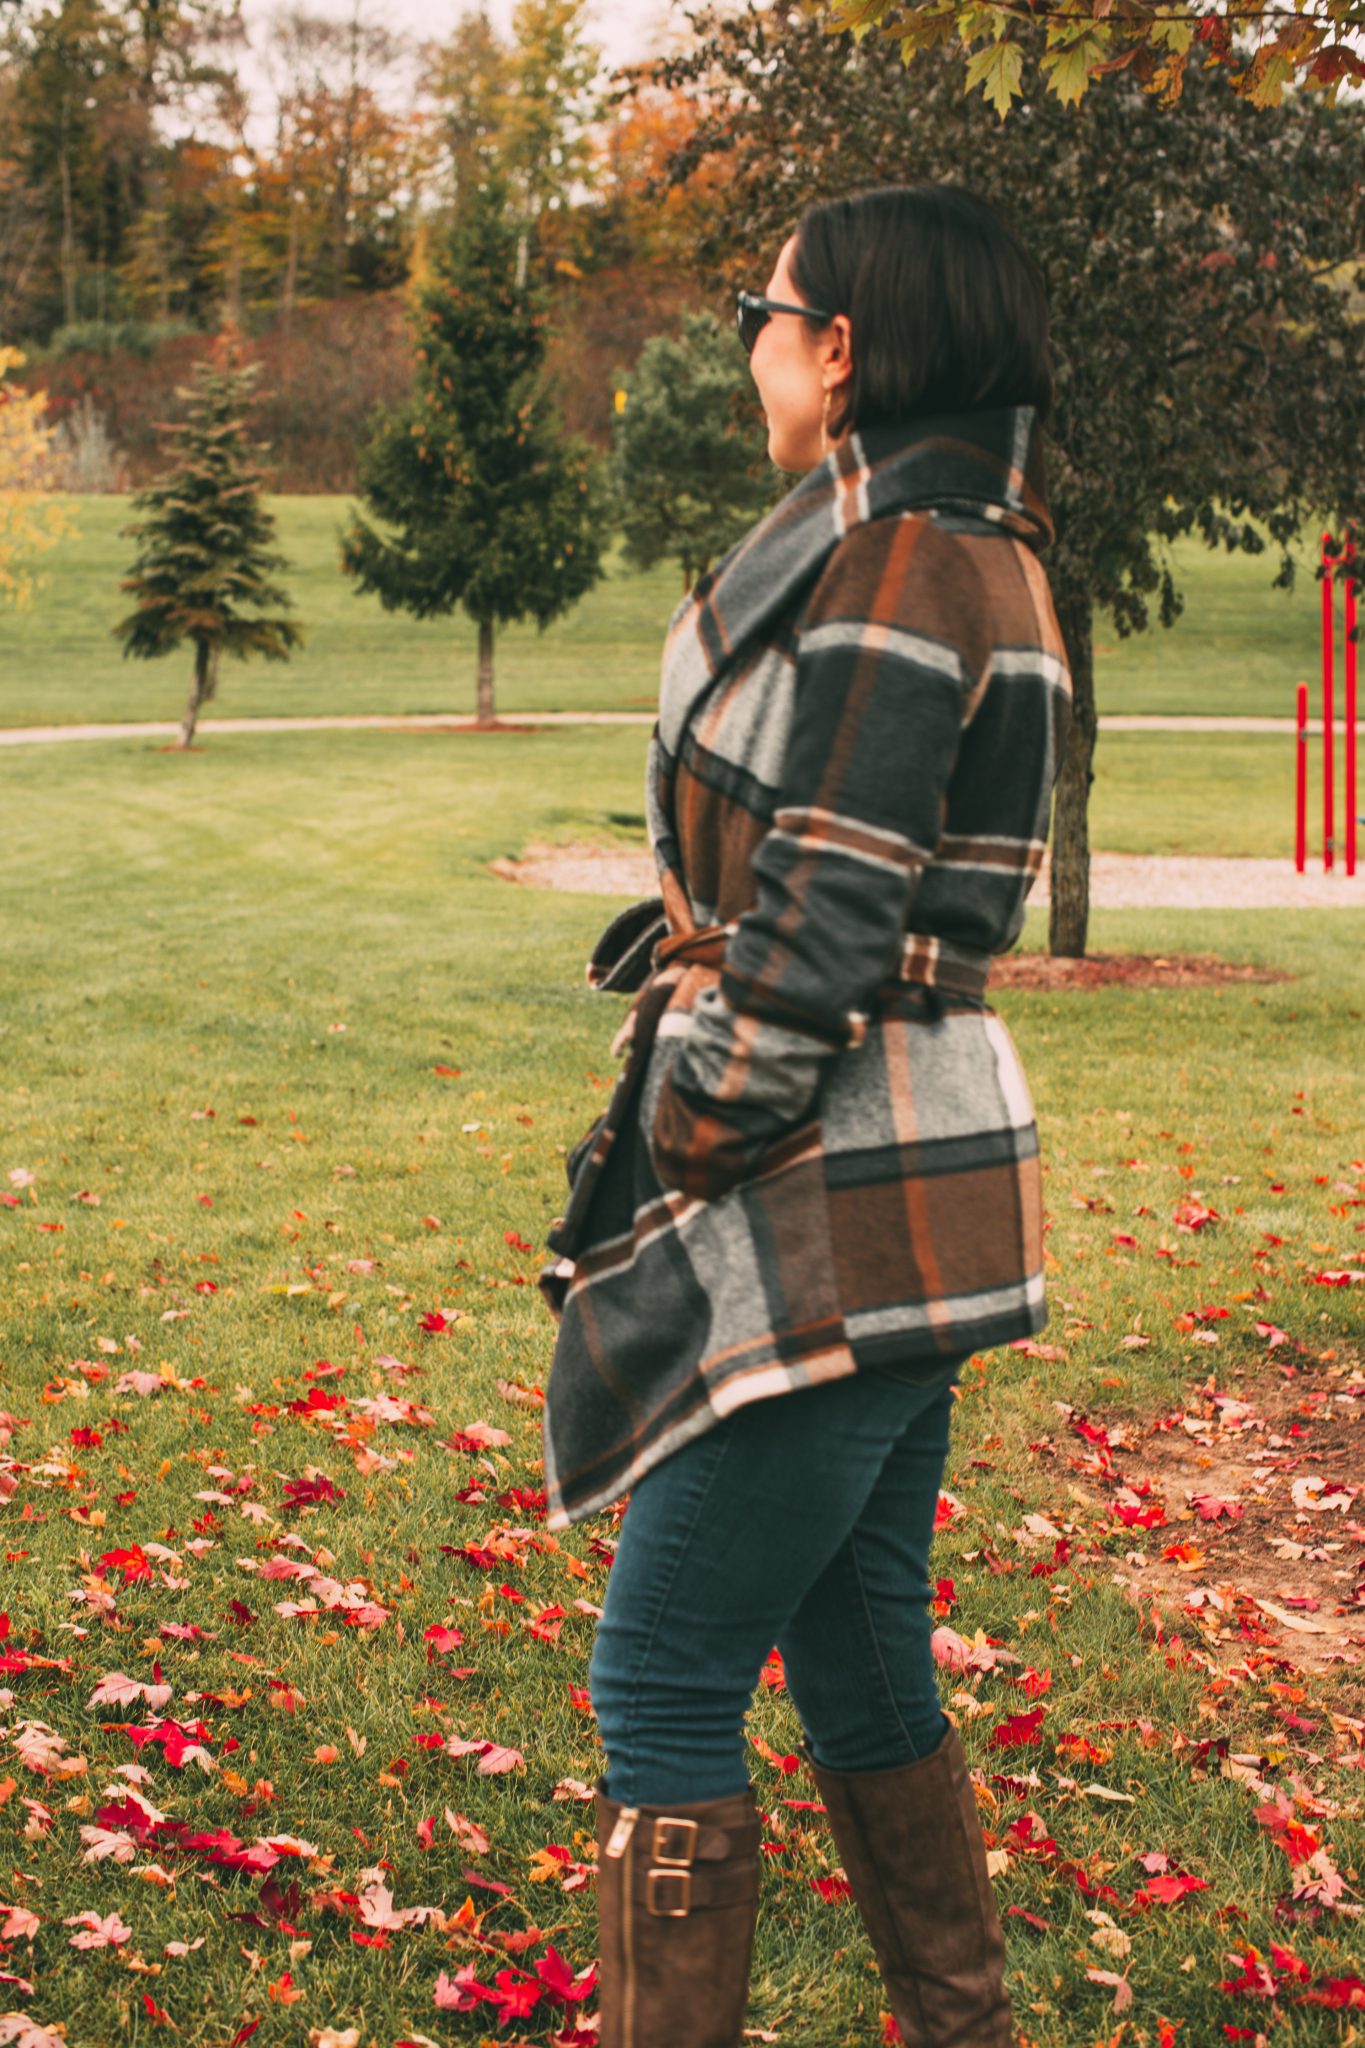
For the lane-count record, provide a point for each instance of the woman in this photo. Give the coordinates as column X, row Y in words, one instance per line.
column 818, row 1175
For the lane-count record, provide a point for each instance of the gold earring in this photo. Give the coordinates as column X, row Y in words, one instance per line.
column 824, row 426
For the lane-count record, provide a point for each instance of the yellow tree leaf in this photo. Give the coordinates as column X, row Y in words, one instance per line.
column 1068, row 65
column 997, row 70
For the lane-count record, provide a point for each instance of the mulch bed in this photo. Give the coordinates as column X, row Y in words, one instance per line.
column 1126, row 970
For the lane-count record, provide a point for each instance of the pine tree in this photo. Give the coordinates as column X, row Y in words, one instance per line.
column 205, row 543
column 689, row 480
column 490, row 504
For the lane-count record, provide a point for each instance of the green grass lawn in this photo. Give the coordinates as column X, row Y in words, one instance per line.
column 1239, row 647
column 1154, row 792
column 292, row 1075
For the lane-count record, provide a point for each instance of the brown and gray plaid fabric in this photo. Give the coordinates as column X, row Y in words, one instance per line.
column 821, row 1153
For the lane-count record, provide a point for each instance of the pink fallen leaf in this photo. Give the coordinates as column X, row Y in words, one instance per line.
column 1318, row 1494
column 95, row 1932
column 461, row 1992
column 955, row 1653
column 571, row 1788
column 104, row 1842
column 467, row 1833
column 140, row 1383
column 484, row 1433
column 118, row 1690
column 493, row 1757
column 1122, row 1989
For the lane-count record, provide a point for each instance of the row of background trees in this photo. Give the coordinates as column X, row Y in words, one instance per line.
column 1202, row 256
column 139, row 207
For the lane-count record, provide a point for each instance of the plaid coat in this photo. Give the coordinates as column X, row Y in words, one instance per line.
column 821, row 1153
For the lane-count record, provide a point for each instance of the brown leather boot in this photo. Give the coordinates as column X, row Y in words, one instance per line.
column 911, row 1847
column 677, row 1902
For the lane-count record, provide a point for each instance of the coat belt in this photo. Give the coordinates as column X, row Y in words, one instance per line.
column 925, row 960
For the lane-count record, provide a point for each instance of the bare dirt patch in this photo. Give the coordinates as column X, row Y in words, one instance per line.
column 584, row 867
column 1127, row 970
column 1118, row 881
column 1247, row 1513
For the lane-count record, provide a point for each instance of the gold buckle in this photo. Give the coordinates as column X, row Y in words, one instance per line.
column 680, row 1876
column 661, row 1854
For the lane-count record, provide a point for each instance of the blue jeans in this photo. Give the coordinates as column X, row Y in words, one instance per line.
column 803, row 1520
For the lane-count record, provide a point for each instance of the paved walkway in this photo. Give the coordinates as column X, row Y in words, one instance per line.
column 445, row 721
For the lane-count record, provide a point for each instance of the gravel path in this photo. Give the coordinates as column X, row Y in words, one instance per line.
column 445, row 721
column 1118, row 881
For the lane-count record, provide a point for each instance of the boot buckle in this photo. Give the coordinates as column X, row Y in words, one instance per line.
column 676, row 1861
column 688, row 1831
column 682, row 1877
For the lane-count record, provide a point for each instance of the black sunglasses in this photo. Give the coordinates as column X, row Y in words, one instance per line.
column 753, row 313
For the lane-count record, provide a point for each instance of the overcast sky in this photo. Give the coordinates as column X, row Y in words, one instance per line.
column 625, row 30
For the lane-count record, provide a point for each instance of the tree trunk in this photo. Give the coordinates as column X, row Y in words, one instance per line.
column 345, row 169
column 205, row 677
column 163, row 270
column 1069, row 920
column 485, row 714
column 68, row 259
column 291, row 266
column 233, row 295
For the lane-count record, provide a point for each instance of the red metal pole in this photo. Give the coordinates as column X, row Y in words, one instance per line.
column 1348, row 626
column 1328, row 676
column 1301, row 781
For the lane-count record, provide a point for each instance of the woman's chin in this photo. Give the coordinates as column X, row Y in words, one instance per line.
column 784, row 454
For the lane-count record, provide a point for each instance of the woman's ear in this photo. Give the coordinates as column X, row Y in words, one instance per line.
column 837, row 353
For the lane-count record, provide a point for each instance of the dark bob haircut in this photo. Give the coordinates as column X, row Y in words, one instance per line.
column 948, row 312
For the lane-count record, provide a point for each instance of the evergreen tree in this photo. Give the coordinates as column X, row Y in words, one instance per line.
column 205, row 550
column 491, row 505
column 689, row 480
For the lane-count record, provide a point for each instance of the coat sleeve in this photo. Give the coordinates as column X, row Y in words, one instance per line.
column 885, row 672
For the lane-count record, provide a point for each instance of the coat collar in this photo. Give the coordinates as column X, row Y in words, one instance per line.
column 984, row 465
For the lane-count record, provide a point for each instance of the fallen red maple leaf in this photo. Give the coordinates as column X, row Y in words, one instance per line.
column 1134, row 1516
column 1209, row 1507
column 560, row 1981
column 1165, row 1891
column 516, row 1997
column 134, row 1564
column 1341, row 1994
column 1019, row 1731
column 301, row 1493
